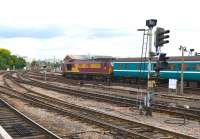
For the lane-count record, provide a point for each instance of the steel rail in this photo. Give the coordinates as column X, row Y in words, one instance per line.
column 190, row 113
column 125, row 127
column 19, row 125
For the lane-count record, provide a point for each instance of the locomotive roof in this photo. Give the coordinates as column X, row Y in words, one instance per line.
column 71, row 58
column 173, row 58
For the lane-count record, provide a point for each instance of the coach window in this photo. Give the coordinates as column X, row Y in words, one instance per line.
column 193, row 66
column 120, row 66
column 189, row 67
column 172, row 66
column 140, row 66
column 184, row 66
column 179, row 66
column 126, row 66
column 154, row 66
column 197, row 66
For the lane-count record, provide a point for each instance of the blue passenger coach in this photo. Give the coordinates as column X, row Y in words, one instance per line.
column 134, row 68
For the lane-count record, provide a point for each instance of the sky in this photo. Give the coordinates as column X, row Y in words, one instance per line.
column 43, row 29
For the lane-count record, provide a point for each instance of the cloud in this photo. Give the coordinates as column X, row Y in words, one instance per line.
column 55, row 28
column 69, row 32
column 106, row 33
column 31, row 32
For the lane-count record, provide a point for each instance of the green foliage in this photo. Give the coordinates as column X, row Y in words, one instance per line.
column 34, row 63
column 10, row 61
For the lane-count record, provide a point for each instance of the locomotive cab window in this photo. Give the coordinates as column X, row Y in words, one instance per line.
column 69, row 66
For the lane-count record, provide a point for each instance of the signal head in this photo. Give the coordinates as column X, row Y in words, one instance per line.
column 151, row 23
column 160, row 36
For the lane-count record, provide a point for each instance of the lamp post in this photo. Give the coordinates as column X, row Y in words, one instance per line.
column 182, row 49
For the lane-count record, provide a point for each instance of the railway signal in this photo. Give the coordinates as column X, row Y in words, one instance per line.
column 160, row 37
column 149, row 23
column 197, row 54
column 163, row 61
column 161, row 64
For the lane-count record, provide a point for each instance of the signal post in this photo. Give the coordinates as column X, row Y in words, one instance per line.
column 149, row 23
column 160, row 40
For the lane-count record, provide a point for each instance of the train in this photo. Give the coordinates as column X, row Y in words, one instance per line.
column 131, row 69
column 93, row 68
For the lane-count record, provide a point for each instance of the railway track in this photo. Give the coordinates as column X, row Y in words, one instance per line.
column 191, row 113
column 119, row 127
column 20, row 126
column 61, row 78
column 53, row 78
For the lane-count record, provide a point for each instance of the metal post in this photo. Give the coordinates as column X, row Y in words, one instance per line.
column 45, row 77
column 140, row 100
column 150, row 52
column 149, row 83
column 150, row 23
column 182, row 74
column 54, row 61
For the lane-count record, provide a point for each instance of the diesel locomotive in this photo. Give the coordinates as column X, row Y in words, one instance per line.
column 94, row 68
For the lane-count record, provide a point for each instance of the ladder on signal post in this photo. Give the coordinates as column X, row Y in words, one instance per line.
column 144, row 45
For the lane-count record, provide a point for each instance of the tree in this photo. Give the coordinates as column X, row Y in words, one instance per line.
column 4, row 58
column 9, row 61
column 17, row 62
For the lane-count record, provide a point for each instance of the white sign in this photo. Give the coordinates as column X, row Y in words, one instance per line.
column 172, row 83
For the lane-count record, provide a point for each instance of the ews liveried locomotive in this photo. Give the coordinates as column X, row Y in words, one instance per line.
column 87, row 68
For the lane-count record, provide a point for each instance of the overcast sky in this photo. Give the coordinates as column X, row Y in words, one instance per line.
column 48, row 28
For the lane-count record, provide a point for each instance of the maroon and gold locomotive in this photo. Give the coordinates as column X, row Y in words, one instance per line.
column 93, row 68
